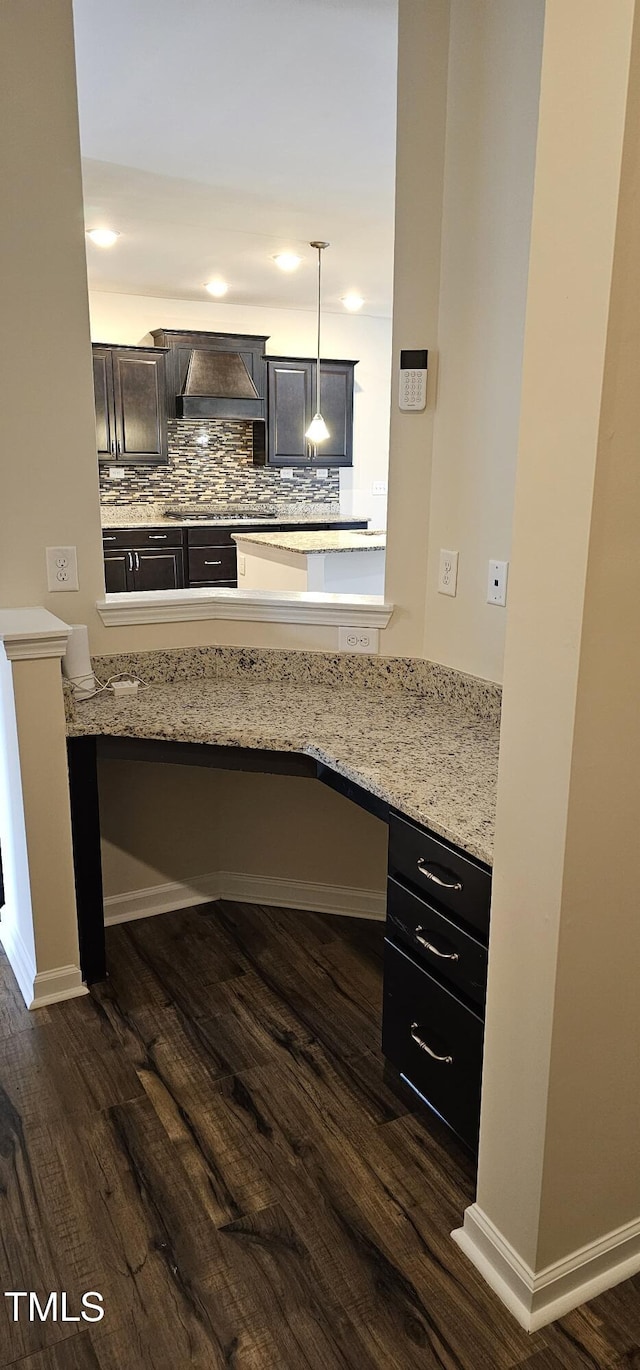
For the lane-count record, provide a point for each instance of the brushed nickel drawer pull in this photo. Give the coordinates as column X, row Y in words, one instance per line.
column 444, row 955
column 109, row 539
column 430, row 874
column 213, row 563
column 157, row 537
column 446, row 1060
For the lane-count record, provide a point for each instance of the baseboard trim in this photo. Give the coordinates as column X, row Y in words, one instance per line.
column 538, row 1299
column 53, row 986
column 238, row 887
column 20, row 959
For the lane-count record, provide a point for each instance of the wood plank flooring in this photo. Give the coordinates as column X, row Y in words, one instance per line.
column 209, row 1142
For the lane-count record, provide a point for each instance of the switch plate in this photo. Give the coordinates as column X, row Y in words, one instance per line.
column 379, row 487
column 242, row 564
column 117, row 472
column 497, row 582
column 448, row 572
column 62, row 568
column 358, row 639
column 286, row 473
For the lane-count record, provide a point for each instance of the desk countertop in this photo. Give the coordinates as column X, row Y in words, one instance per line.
column 308, row 544
column 434, row 759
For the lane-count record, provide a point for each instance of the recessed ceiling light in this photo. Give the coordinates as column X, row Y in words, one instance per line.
column 103, row 237
column 217, row 288
column 352, row 301
column 287, row 261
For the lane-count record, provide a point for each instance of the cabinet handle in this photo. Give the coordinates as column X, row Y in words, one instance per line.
column 137, row 561
column 429, row 873
column 113, row 448
column 444, row 955
column 109, row 539
column 119, row 448
column 130, row 561
column 446, row 1060
column 157, row 537
column 213, row 563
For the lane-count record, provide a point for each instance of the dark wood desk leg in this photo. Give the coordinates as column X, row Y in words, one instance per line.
column 85, row 823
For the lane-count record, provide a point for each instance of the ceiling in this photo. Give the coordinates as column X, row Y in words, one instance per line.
column 216, row 133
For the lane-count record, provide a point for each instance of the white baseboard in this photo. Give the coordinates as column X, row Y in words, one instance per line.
column 256, row 889
column 52, row 986
column 21, row 960
column 538, row 1299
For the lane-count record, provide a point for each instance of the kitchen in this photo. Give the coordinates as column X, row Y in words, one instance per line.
column 552, row 1026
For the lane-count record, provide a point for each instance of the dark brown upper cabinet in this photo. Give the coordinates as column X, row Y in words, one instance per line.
column 291, row 400
column 131, row 406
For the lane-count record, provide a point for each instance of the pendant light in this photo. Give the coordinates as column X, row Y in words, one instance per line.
column 317, row 430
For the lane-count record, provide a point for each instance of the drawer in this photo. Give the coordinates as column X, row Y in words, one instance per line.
column 210, row 536
column 439, row 871
column 141, row 537
column 434, row 1041
column 213, row 585
column 212, row 564
column 440, row 944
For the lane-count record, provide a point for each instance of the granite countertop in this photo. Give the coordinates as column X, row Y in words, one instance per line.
column 434, row 759
column 349, row 540
column 152, row 516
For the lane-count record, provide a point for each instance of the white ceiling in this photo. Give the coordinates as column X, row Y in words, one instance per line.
column 216, row 133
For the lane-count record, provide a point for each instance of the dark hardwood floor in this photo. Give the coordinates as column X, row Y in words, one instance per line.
column 208, row 1141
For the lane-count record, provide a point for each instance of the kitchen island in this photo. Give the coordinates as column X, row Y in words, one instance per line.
column 333, row 561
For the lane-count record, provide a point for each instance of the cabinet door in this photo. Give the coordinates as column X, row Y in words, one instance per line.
column 161, row 569
column 290, row 394
column 140, row 404
column 103, row 391
column 117, row 577
column 336, row 403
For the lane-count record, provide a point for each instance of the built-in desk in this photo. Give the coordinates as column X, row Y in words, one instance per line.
column 415, row 745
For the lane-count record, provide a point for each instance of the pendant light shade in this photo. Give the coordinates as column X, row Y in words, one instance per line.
column 317, row 430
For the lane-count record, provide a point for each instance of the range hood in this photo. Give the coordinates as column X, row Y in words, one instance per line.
column 218, row 385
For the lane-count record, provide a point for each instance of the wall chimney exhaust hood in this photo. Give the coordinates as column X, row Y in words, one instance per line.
column 218, row 386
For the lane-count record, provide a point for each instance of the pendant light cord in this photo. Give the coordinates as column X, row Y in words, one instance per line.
column 318, row 410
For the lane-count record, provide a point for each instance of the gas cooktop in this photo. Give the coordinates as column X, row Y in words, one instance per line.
column 228, row 512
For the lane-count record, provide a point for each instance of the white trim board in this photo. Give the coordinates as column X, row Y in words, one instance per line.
column 257, row 606
column 236, row 886
column 32, row 633
column 52, row 986
column 538, row 1299
column 20, row 958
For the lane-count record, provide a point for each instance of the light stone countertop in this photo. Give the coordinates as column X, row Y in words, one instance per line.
column 434, row 759
column 152, row 516
column 316, row 542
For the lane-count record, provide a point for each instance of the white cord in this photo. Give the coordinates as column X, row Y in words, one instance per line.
column 82, row 683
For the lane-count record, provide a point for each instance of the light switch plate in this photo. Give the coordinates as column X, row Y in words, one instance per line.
column 379, row 487
column 448, row 572
column 497, row 582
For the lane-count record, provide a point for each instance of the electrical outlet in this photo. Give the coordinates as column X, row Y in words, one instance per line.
column 118, row 472
column 379, row 487
column 448, row 572
column 286, row 473
column 321, row 473
column 358, row 639
column 242, row 564
column 497, row 582
column 62, row 568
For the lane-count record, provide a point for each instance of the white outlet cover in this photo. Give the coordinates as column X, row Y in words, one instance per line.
column 448, row 572
column 359, row 640
column 62, row 569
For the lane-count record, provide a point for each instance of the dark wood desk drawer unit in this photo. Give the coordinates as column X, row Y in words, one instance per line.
column 442, row 874
column 434, row 1041
column 441, row 945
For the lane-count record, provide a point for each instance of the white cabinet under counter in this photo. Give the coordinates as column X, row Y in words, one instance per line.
column 334, row 561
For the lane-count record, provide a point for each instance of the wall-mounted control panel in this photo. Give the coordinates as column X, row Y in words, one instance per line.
column 412, row 393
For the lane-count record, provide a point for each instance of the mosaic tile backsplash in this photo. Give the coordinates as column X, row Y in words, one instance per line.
column 210, row 462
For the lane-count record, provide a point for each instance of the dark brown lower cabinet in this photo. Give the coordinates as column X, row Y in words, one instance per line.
column 144, row 569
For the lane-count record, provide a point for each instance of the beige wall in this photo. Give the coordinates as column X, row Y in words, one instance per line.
column 171, row 823
column 423, row 47
column 292, row 332
column 492, row 112
column 561, row 1102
